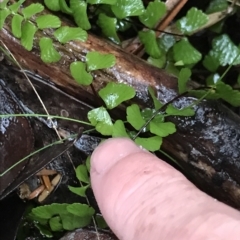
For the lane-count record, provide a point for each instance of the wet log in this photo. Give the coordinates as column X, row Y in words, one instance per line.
column 17, row 94
column 206, row 145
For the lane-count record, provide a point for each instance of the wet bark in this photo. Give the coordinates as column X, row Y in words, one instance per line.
column 206, row 145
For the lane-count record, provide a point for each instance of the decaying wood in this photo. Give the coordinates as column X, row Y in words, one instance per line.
column 206, row 145
column 58, row 103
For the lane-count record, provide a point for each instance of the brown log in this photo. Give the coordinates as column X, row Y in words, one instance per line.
column 206, row 145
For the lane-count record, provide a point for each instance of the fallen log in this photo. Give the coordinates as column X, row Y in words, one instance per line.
column 206, row 145
column 54, row 157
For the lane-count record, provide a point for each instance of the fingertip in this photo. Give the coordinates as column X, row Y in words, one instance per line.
column 110, row 152
column 141, row 197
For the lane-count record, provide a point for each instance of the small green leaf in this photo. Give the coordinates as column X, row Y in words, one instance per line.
column 156, row 102
column 71, row 221
column 3, row 15
column 100, row 118
column 166, row 42
column 119, row 129
column 33, row 217
column 226, row 92
column 66, row 34
column 210, row 63
column 217, row 6
column 81, row 210
column 81, row 191
column 100, row 221
column 179, row 63
column 17, row 25
column 64, row 7
column 110, row 2
column 108, row 26
column 82, row 174
column 38, row 220
column 44, row 231
column 48, row 211
column 79, row 73
column 155, row 10
column 53, row 5
column 158, row 62
column 186, row 112
column 3, row 4
column 134, row 116
column 185, row 52
column 225, row 51
column 48, row 53
column 147, row 113
column 184, row 75
column 28, row 32
column 96, row 60
column 48, row 21
column 162, row 129
column 195, row 19
column 80, row 215
column 159, row 118
column 213, row 79
column 32, row 9
column 88, row 163
column 148, row 38
column 126, row 8
column 55, row 224
column 151, row 144
column 14, row 7
column 172, row 69
column 114, row 94
column 79, row 9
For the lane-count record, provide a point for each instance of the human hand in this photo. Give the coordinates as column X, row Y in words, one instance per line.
column 142, row 197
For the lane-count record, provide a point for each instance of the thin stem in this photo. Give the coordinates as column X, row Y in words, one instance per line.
column 158, row 111
column 31, row 84
column 31, row 154
column 44, row 115
column 171, row 158
column 41, row 149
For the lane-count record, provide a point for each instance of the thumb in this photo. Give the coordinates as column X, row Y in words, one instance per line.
column 142, row 197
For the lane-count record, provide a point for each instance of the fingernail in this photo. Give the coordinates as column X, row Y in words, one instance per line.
column 110, row 152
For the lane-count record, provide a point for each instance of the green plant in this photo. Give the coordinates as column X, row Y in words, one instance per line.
column 59, row 217
column 177, row 56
